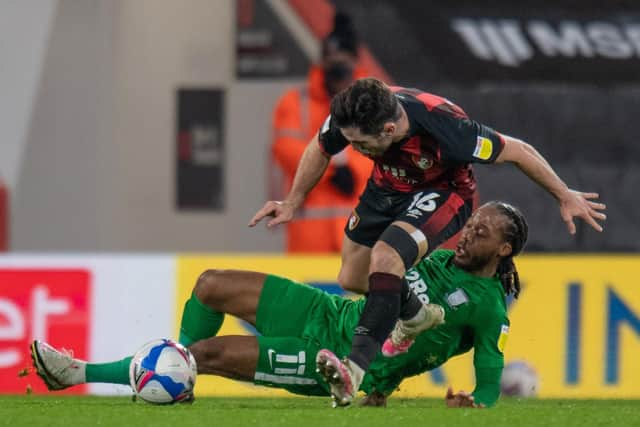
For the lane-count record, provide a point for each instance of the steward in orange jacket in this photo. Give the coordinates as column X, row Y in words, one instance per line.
column 298, row 115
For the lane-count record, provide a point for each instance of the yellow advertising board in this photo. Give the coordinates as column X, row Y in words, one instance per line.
column 577, row 322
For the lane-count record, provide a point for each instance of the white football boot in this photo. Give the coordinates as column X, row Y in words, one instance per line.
column 406, row 331
column 57, row 368
column 344, row 377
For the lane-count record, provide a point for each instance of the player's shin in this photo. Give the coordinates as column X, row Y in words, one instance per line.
column 199, row 321
column 410, row 305
column 378, row 317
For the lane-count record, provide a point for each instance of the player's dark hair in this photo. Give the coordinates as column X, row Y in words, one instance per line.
column 515, row 233
column 367, row 105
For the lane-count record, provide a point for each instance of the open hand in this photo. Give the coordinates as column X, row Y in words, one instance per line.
column 461, row 399
column 280, row 211
column 375, row 398
column 578, row 204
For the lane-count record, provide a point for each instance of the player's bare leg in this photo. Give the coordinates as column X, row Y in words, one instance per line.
column 354, row 270
column 232, row 292
column 232, row 356
column 344, row 376
column 414, row 317
column 215, row 293
column 236, row 293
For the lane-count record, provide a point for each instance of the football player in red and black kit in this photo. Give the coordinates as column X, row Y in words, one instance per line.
column 420, row 194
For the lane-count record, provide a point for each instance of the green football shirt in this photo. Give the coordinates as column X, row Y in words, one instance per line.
column 476, row 318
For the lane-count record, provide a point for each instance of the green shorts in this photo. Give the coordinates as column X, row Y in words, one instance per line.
column 296, row 321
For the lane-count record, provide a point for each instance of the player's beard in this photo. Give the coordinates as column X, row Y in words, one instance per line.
column 472, row 263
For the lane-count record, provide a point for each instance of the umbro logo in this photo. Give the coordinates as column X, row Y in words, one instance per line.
column 361, row 330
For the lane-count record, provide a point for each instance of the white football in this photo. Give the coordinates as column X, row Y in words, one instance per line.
column 519, row 379
column 163, row 371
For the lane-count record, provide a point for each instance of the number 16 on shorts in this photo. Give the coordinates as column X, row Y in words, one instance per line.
column 422, row 203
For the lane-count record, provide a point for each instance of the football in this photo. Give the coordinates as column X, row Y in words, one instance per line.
column 519, row 379
column 162, row 372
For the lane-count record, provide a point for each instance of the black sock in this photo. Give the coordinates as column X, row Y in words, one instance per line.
column 410, row 305
column 378, row 317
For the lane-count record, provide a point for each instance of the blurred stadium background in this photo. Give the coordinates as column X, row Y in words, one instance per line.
column 136, row 147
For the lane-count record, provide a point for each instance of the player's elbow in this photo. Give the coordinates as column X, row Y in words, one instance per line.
column 515, row 151
column 527, row 148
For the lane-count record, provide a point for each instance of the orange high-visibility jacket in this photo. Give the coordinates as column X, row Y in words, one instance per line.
column 298, row 115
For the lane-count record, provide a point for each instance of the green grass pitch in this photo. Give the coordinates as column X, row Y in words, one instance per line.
column 74, row 411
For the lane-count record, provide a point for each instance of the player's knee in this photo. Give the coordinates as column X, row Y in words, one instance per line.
column 397, row 249
column 209, row 354
column 352, row 282
column 209, row 285
column 384, row 258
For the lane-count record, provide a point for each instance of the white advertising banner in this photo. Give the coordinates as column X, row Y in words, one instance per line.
column 101, row 306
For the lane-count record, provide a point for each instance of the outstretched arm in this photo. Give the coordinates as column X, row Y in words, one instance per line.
column 313, row 164
column 465, row 140
column 375, row 398
column 487, row 389
column 572, row 203
column 310, row 169
column 461, row 399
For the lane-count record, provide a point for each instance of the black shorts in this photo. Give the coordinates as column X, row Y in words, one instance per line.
column 439, row 214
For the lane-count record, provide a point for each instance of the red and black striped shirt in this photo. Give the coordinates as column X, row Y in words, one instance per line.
column 441, row 144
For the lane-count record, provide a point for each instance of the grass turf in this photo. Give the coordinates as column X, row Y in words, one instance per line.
column 309, row 412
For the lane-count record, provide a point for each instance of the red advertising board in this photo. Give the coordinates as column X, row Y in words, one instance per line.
column 4, row 218
column 46, row 304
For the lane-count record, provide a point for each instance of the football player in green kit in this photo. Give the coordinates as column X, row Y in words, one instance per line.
column 464, row 291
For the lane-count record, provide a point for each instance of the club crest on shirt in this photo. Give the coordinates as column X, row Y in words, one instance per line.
column 326, row 125
column 354, row 219
column 457, row 298
column 422, row 162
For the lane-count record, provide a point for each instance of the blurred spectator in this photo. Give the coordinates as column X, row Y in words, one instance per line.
column 298, row 115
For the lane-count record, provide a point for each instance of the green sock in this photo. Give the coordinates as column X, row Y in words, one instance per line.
column 199, row 321
column 113, row 372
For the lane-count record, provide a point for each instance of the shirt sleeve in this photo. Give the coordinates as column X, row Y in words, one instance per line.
column 487, row 388
column 386, row 385
column 330, row 138
column 490, row 334
column 461, row 139
column 385, row 378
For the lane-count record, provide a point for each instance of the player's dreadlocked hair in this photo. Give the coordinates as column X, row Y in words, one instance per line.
column 367, row 105
column 515, row 233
